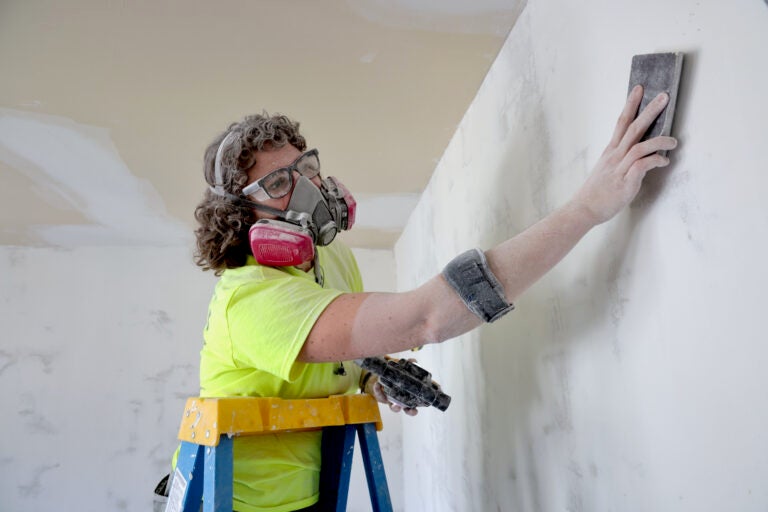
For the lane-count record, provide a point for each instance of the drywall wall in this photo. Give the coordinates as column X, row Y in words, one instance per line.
column 632, row 377
column 99, row 349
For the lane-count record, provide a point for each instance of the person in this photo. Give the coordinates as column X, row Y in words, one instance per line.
column 291, row 329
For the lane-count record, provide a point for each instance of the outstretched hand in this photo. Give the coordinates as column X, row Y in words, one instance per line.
column 618, row 174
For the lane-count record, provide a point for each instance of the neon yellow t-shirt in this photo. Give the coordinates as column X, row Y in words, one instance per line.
column 258, row 320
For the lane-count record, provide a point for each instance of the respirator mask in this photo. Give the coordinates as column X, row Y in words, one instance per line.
column 314, row 215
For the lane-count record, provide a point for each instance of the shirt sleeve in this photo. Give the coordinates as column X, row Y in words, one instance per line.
column 270, row 319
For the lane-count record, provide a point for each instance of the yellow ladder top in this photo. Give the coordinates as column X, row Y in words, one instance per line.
column 206, row 419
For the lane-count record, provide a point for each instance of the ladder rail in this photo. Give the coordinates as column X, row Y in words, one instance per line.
column 204, row 466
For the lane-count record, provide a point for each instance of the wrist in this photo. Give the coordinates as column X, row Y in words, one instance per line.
column 581, row 215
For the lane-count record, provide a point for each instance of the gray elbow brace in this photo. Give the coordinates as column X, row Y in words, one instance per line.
column 469, row 274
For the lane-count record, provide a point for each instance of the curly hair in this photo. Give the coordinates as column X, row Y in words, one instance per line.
column 222, row 232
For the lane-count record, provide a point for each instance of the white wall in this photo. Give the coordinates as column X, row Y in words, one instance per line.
column 99, row 348
column 632, row 377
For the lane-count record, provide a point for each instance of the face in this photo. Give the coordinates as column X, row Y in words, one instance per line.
column 268, row 160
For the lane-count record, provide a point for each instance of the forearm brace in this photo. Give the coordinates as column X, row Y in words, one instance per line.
column 469, row 275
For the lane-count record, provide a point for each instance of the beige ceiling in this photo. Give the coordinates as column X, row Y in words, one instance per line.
column 106, row 106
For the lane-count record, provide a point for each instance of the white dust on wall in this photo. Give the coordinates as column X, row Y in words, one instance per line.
column 99, row 349
column 632, row 377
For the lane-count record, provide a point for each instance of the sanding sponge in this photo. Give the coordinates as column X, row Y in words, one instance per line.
column 657, row 73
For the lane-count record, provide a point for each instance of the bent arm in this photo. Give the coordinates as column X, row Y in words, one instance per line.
column 358, row 325
column 367, row 324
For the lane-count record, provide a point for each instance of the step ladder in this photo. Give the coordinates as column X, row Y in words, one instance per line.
column 208, row 425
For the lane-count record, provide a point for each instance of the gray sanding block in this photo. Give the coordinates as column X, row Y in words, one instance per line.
column 658, row 72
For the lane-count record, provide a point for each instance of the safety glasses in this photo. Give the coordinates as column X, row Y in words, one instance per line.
column 280, row 181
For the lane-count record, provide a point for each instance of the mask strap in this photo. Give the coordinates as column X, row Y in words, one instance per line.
column 320, row 279
column 299, row 218
column 218, row 175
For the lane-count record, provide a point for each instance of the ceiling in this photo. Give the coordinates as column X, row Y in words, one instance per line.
column 106, row 106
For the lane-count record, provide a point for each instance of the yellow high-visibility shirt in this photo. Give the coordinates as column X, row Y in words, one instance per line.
column 258, row 320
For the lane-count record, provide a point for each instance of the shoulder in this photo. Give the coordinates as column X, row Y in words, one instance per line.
column 338, row 253
column 253, row 272
column 340, row 267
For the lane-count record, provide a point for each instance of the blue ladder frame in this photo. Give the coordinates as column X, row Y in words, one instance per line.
column 205, row 472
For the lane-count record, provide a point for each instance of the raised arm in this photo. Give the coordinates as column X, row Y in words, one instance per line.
column 365, row 324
